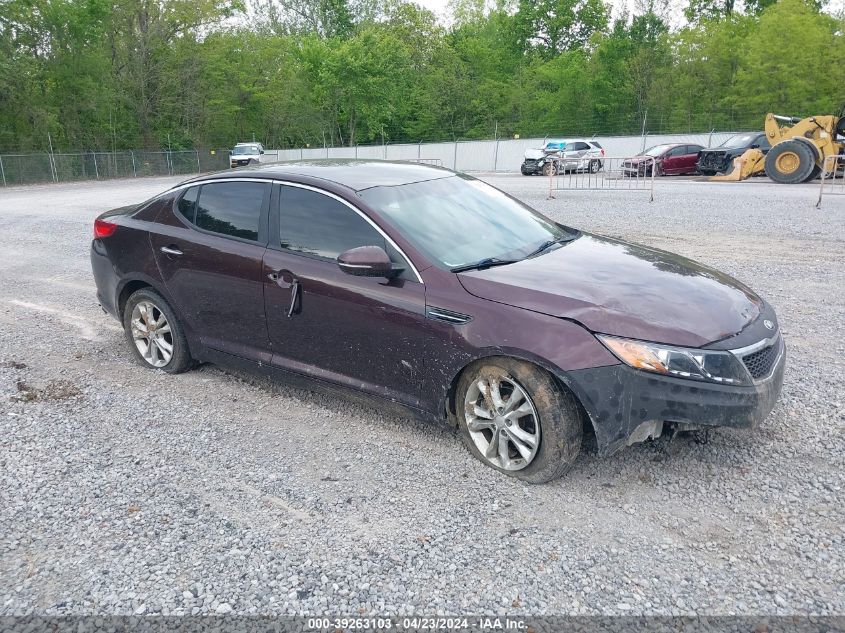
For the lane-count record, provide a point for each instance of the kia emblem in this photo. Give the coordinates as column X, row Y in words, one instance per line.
column 769, row 325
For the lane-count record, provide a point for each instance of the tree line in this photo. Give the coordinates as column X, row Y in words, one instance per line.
column 117, row 74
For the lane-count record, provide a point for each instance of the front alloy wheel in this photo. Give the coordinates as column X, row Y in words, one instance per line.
column 517, row 418
column 502, row 422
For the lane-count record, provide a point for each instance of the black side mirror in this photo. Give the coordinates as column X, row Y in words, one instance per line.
column 755, row 146
column 367, row 261
column 261, row 151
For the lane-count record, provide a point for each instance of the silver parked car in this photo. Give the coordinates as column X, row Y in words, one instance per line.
column 560, row 156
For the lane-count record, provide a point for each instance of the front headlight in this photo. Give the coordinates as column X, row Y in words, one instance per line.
column 695, row 364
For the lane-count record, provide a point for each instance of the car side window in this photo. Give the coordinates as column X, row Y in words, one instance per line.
column 314, row 224
column 188, row 203
column 231, row 208
column 318, row 225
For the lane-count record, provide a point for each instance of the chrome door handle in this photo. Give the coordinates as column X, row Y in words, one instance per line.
column 294, row 295
column 167, row 250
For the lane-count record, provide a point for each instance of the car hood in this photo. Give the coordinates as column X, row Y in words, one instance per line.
column 614, row 287
column 534, row 154
column 640, row 158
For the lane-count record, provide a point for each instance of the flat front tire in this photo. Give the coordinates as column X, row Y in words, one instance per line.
column 154, row 332
column 516, row 418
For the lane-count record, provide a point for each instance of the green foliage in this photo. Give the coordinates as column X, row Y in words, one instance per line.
column 102, row 74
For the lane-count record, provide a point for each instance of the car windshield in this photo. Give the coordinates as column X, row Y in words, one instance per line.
column 459, row 220
column 657, row 150
column 743, row 140
column 245, row 149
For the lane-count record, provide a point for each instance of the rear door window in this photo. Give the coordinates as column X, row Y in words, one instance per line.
column 231, row 208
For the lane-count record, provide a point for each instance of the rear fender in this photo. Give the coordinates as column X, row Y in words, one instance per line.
column 817, row 152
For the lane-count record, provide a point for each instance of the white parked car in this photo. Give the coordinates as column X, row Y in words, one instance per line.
column 246, row 154
column 559, row 156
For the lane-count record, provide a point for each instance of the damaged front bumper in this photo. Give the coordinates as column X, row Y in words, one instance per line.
column 628, row 405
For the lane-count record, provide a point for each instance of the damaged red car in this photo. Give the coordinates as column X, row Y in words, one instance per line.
column 430, row 289
column 671, row 159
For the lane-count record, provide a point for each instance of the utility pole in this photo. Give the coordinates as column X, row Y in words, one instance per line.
column 645, row 118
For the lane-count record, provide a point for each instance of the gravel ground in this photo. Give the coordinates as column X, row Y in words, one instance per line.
column 126, row 491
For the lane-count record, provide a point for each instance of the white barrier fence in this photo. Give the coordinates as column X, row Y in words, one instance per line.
column 607, row 173
column 832, row 178
column 494, row 155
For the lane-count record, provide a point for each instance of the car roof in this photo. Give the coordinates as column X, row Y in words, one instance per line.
column 356, row 174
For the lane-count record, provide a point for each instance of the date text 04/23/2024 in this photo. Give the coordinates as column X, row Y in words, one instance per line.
column 419, row 623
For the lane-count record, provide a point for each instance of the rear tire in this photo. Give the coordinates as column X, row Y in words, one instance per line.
column 790, row 162
column 595, row 166
column 814, row 174
column 154, row 333
column 527, row 426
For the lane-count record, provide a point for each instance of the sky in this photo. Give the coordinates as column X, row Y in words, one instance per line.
column 440, row 8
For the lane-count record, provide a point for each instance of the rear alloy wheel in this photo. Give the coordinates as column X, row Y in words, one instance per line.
column 595, row 165
column 531, row 433
column 154, row 332
column 790, row 162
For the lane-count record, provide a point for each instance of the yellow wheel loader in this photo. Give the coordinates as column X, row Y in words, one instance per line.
column 800, row 148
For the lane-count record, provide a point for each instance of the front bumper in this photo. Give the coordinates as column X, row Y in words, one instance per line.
column 635, row 169
column 712, row 163
column 531, row 167
column 622, row 401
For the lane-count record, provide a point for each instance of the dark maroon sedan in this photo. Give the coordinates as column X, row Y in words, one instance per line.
column 438, row 292
column 670, row 159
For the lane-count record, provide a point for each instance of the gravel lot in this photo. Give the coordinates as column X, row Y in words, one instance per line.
column 126, row 491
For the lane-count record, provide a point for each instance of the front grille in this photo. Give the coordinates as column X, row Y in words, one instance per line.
column 761, row 362
column 712, row 159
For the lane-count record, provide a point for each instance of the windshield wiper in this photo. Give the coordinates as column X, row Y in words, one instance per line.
column 549, row 243
column 487, row 262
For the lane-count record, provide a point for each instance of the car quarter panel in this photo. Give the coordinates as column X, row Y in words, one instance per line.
column 125, row 256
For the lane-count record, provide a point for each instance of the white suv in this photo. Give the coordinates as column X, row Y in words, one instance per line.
column 246, row 154
column 559, row 156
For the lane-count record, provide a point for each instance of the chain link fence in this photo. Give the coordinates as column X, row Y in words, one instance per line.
column 498, row 155
column 26, row 169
